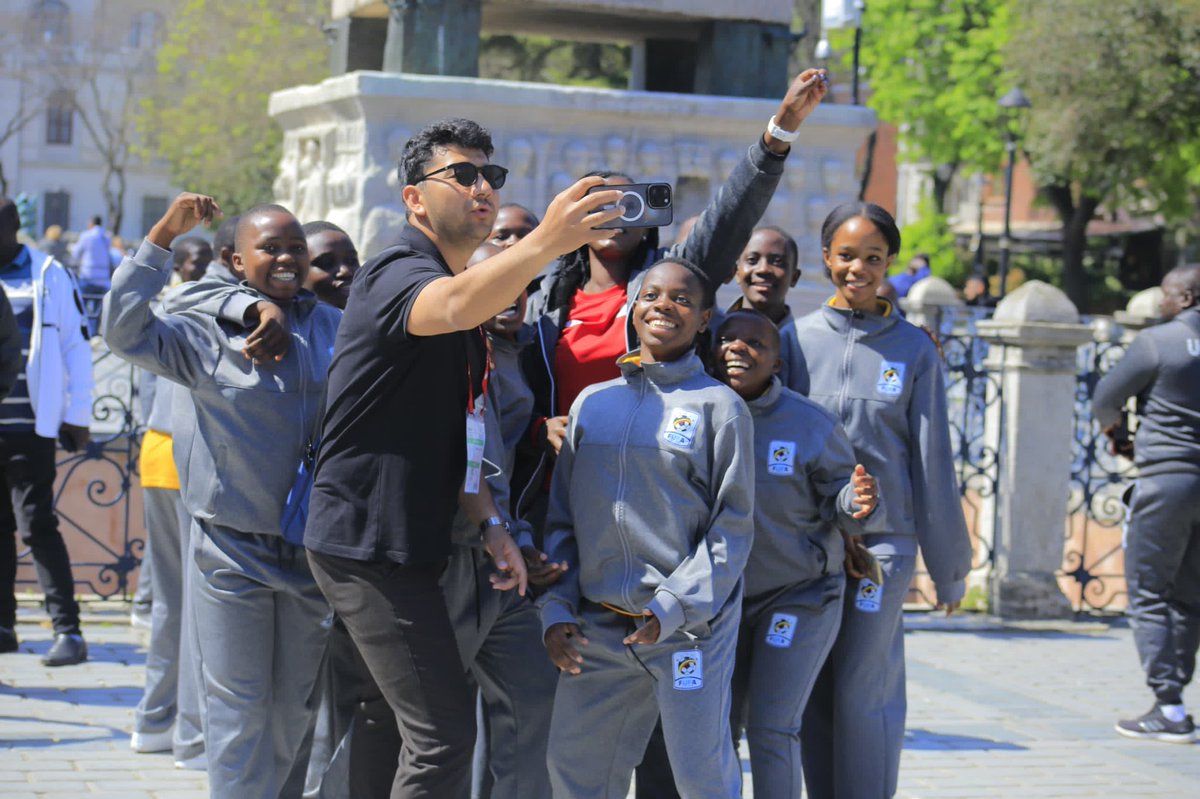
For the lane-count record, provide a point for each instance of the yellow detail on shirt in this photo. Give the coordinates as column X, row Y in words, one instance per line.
column 156, row 463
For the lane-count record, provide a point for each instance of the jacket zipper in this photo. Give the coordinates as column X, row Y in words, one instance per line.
column 620, row 499
column 845, row 392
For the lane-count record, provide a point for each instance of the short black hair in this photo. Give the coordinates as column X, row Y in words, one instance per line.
column 96, row 220
column 706, row 285
column 922, row 256
column 420, row 149
column 10, row 217
column 248, row 217
column 873, row 213
column 321, row 226
column 1188, row 276
column 789, row 244
column 520, row 207
column 182, row 249
column 776, row 339
column 225, row 235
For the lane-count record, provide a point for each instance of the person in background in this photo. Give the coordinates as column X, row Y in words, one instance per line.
column 92, row 254
column 1161, row 369
column 334, row 262
column 976, row 292
column 513, row 223
column 917, row 269
column 53, row 245
column 222, row 267
column 884, row 380
column 51, row 402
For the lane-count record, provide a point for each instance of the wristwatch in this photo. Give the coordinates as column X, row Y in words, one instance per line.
column 777, row 132
column 489, row 523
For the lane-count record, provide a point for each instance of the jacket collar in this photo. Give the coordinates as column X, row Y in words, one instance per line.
column 661, row 374
column 767, row 400
column 843, row 319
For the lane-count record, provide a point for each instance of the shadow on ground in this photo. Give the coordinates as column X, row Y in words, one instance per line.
column 925, row 739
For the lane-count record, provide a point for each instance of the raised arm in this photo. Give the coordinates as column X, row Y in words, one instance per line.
column 475, row 295
column 726, row 223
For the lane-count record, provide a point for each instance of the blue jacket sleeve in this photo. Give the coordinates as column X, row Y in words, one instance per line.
column 560, row 602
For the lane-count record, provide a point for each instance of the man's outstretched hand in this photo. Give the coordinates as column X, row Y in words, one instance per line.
column 186, row 211
column 806, row 93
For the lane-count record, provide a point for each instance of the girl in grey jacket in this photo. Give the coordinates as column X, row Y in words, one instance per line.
column 806, row 486
column 883, row 379
column 651, row 506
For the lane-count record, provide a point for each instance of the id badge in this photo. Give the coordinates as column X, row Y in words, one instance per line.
column 476, row 436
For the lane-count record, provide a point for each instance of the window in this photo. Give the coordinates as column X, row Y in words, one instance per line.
column 153, row 209
column 145, row 30
column 60, row 118
column 51, row 22
column 56, row 209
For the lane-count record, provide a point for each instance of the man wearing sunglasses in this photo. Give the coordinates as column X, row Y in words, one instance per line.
column 400, row 440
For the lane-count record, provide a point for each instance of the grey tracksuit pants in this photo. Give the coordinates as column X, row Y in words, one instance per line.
column 784, row 640
column 603, row 717
column 166, row 523
column 854, row 723
column 260, row 621
column 1162, row 568
column 499, row 637
column 188, row 742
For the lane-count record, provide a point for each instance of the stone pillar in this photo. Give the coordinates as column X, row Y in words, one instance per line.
column 760, row 50
column 434, row 38
column 358, row 44
column 925, row 300
column 1142, row 310
column 1033, row 338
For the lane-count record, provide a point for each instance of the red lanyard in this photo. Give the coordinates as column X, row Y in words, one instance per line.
column 487, row 370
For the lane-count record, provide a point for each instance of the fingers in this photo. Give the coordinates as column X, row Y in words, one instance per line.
column 580, row 188
column 560, row 645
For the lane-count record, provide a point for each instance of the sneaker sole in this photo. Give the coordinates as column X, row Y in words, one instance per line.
column 1166, row 737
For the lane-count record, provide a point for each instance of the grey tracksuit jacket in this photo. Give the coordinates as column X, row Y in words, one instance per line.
column 1162, row 369
column 883, row 379
column 802, row 491
column 652, row 500
column 514, row 398
column 238, row 461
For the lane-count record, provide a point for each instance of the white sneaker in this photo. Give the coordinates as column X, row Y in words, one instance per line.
column 146, row 742
column 197, row 763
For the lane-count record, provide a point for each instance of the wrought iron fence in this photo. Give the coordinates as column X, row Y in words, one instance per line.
column 96, row 498
column 973, row 391
column 1093, row 571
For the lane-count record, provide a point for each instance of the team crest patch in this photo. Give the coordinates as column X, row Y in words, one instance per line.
column 891, row 378
column 681, row 428
column 869, row 594
column 781, row 457
column 687, row 669
column 781, row 631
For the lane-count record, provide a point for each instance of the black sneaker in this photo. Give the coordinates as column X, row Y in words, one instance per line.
column 1154, row 726
column 8, row 641
column 68, row 649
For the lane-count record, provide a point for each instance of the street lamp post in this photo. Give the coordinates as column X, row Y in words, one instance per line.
column 1011, row 102
column 859, row 7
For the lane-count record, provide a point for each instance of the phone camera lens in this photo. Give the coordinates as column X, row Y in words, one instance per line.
column 632, row 207
column 658, row 195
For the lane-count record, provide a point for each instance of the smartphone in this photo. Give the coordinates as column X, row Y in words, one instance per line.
column 642, row 205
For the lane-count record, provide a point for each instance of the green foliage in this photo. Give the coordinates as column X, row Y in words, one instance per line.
column 1115, row 100
column 931, row 234
column 217, row 66
column 936, row 69
column 541, row 59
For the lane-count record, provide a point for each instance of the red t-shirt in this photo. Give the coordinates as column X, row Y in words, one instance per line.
column 592, row 340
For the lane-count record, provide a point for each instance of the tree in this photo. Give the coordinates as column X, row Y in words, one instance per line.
column 936, row 69
column 544, row 60
column 216, row 69
column 1114, row 93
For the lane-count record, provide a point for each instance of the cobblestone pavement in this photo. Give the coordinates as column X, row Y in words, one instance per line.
column 994, row 711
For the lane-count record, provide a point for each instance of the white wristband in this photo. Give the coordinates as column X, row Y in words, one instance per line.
column 777, row 132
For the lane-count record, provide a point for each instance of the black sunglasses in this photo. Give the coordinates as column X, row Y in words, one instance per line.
column 467, row 173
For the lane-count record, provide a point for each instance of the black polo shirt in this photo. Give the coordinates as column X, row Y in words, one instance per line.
column 393, row 449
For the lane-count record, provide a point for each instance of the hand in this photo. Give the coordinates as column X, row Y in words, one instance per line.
column 806, row 93
column 510, row 565
column 646, row 634
column 186, row 211
column 541, row 572
column 560, row 645
column 554, row 430
column 856, row 563
column 865, row 492
column 271, row 338
column 949, row 607
column 572, row 216
column 73, row 437
column 1119, row 442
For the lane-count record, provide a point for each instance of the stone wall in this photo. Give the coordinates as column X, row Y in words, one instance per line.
column 343, row 138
